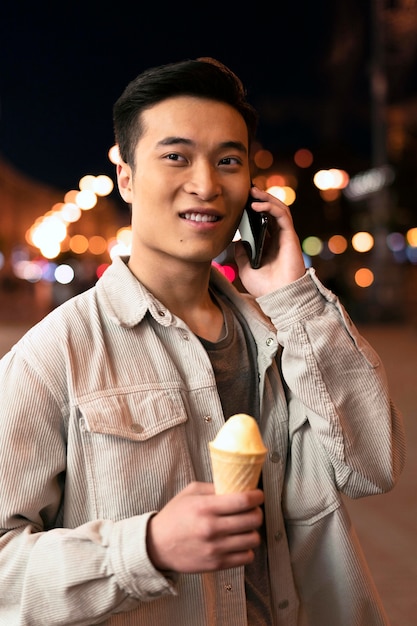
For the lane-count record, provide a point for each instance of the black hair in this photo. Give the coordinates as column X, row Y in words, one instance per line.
column 204, row 77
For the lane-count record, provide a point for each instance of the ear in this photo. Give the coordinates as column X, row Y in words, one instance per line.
column 124, row 181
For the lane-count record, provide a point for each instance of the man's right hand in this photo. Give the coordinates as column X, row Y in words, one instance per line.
column 198, row 531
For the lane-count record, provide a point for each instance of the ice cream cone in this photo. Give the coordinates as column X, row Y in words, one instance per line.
column 237, row 455
column 234, row 472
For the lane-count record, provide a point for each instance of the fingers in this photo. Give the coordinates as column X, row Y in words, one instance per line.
column 226, row 503
column 231, row 551
column 266, row 202
column 210, row 531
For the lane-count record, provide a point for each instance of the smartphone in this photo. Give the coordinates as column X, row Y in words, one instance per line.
column 252, row 229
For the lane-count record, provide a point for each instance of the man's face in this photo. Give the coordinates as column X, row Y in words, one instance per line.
column 190, row 180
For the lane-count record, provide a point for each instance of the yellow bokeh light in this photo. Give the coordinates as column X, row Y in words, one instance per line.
column 48, row 231
column 87, row 182
column 114, row 155
column 331, row 179
column 285, row 194
column 362, row 242
column 86, row 199
column 411, row 237
column 323, row 180
column 340, row 178
column 103, row 185
column 364, row 277
column 124, row 236
column 70, row 212
column 50, row 249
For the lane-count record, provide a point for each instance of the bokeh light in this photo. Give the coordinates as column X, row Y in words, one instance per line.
column 103, row 185
column 337, row 244
column 64, row 274
column 228, row 271
column 70, row 212
column 71, row 196
column 86, row 199
column 263, row 159
column 114, row 155
column 331, row 179
column 364, row 277
column 411, row 253
column 101, row 269
column 124, row 236
column 97, row 245
column 412, row 237
column 303, row 158
column 79, row 244
column 285, row 194
column 87, row 182
column 50, row 249
column 362, row 242
column 396, row 242
column 312, row 245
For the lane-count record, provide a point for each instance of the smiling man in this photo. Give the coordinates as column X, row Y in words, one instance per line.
column 108, row 513
column 186, row 192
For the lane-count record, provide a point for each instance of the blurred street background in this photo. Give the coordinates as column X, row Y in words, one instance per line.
column 335, row 84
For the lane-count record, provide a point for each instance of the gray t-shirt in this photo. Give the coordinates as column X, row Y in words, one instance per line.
column 234, row 362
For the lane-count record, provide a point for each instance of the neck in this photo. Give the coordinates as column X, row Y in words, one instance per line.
column 185, row 292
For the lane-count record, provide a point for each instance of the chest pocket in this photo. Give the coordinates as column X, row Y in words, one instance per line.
column 135, row 451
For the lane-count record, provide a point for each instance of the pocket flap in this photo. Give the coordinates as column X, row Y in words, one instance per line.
column 138, row 415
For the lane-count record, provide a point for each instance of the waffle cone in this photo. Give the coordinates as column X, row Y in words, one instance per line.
column 234, row 471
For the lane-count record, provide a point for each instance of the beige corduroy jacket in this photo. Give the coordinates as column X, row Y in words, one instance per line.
column 99, row 404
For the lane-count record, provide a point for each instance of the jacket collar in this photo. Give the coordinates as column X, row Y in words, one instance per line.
column 126, row 301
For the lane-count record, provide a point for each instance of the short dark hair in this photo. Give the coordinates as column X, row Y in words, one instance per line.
column 204, row 77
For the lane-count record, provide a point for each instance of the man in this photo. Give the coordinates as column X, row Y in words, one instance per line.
column 107, row 509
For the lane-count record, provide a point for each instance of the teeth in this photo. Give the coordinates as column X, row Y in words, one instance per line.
column 199, row 217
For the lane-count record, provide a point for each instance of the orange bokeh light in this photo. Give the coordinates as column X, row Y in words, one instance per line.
column 364, row 277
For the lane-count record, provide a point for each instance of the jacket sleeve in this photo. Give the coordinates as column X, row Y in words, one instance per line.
column 339, row 382
column 49, row 574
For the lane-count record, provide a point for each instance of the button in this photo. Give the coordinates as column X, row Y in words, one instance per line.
column 278, row 536
column 185, row 337
column 137, row 428
column 207, row 418
column 283, row 604
column 228, row 587
column 269, row 341
column 274, row 457
column 161, row 313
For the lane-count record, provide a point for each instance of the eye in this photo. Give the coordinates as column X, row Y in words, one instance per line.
column 173, row 156
column 230, row 161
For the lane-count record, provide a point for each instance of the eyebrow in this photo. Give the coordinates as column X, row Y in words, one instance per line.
column 173, row 140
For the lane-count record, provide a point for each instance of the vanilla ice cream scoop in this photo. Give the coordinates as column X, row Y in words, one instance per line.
column 240, row 433
column 237, row 455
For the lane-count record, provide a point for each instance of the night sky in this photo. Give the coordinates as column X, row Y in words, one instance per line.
column 63, row 67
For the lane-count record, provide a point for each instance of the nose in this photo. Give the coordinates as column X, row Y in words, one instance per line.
column 203, row 181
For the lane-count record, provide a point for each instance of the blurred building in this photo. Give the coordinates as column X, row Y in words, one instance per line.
column 23, row 201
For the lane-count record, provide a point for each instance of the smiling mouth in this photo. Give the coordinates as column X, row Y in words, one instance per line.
column 199, row 217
